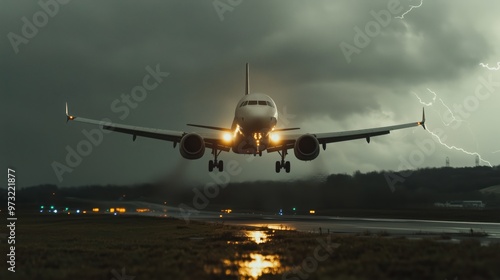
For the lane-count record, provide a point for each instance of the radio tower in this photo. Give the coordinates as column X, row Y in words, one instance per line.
column 447, row 162
column 477, row 160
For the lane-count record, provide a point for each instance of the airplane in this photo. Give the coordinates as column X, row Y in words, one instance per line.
column 253, row 131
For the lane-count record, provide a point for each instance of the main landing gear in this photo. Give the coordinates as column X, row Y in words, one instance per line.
column 283, row 164
column 219, row 164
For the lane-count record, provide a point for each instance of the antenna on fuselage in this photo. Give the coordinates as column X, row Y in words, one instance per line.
column 247, row 85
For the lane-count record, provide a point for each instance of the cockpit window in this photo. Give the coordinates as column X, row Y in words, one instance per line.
column 257, row 102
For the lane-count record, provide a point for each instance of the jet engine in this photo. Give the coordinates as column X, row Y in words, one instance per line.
column 192, row 146
column 306, row 147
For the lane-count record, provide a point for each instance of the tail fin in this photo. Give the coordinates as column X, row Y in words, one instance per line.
column 247, row 85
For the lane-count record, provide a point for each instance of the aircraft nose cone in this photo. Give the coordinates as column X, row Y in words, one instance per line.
column 259, row 123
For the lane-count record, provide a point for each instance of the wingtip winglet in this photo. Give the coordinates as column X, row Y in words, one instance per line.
column 422, row 123
column 68, row 116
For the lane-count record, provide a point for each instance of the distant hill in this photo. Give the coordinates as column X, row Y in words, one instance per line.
column 373, row 190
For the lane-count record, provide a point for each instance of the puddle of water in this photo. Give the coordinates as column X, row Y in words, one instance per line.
column 249, row 265
column 485, row 243
column 257, row 236
column 252, row 266
column 272, row 226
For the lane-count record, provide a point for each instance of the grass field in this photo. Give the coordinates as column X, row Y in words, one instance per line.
column 133, row 247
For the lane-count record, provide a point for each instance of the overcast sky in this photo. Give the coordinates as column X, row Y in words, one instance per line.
column 329, row 65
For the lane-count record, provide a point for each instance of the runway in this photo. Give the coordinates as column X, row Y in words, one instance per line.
column 405, row 227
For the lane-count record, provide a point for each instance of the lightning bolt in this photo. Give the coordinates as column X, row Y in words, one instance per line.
column 491, row 68
column 455, row 119
column 452, row 115
column 452, row 147
column 457, row 148
column 422, row 102
column 409, row 10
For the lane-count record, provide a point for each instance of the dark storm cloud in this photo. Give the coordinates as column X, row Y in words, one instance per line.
column 90, row 53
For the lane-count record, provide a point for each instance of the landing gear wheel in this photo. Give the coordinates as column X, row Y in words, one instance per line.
column 282, row 164
column 212, row 164
column 287, row 167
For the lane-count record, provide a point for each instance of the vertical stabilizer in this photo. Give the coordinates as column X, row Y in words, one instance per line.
column 247, row 85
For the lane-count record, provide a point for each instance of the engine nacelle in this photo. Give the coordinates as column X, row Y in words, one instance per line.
column 192, row 146
column 306, row 147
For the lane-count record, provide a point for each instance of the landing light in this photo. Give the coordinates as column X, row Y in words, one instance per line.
column 227, row 137
column 274, row 137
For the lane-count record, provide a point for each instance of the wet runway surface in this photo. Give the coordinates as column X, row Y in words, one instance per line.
column 359, row 225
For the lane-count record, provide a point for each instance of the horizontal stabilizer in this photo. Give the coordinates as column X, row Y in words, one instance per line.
column 211, row 127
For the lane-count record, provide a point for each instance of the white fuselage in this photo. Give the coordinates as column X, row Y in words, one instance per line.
column 255, row 118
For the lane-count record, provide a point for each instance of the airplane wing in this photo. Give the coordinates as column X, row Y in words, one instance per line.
column 211, row 139
column 288, row 141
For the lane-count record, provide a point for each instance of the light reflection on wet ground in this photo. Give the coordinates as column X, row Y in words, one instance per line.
column 251, row 265
column 257, row 236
